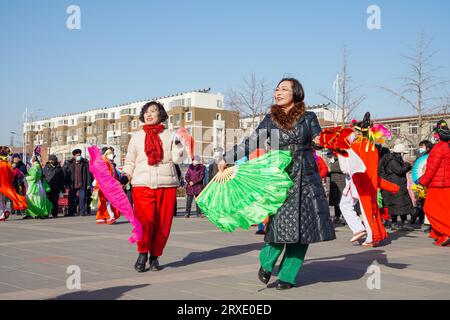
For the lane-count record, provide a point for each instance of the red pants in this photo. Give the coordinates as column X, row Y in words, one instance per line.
column 154, row 209
column 437, row 209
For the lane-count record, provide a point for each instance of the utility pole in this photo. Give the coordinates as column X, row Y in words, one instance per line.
column 25, row 120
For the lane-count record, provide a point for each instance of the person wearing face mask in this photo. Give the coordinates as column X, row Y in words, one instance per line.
column 78, row 181
column 54, row 175
column 103, row 214
column 194, row 184
column 425, row 147
column 395, row 171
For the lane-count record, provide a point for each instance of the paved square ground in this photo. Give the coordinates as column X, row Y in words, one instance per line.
column 202, row 263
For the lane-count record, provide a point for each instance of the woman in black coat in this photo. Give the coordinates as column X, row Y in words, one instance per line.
column 394, row 169
column 304, row 217
column 337, row 185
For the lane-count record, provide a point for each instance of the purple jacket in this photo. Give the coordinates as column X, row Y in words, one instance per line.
column 196, row 174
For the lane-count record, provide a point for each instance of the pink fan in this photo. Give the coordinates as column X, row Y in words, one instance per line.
column 187, row 140
column 113, row 191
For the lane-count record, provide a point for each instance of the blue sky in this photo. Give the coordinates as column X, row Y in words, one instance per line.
column 132, row 50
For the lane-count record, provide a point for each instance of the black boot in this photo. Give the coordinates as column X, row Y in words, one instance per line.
column 154, row 264
column 264, row 276
column 141, row 261
column 281, row 285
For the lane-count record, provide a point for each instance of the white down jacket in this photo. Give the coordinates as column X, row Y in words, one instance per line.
column 161, row 175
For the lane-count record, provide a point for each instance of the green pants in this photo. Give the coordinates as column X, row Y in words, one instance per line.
column 292, row 260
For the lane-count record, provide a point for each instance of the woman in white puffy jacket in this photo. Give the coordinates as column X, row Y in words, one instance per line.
column 150, row 166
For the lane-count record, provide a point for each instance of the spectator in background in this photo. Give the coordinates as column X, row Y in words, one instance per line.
column 399, row 204
column 78, row 180
column 194, row 184
column 20, row 173
column 337, row 185
column 177, row 168
column 425, row 147
column 54, row 175
column 213, row 168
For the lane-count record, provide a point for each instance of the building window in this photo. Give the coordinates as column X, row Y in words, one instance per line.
column 413, row 128
column 188, row 116
column 89, row 130
column 72, row 122
column 176, row 119
column 189, row 102
column 134, row 124
column 219, row 104
column 395, row 129
column 218, row 116
column 411, row 149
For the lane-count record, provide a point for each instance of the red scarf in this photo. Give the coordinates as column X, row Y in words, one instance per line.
column 153, row 144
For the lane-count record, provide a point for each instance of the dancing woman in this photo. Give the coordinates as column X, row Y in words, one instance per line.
column 150, row 166
column 304, row 217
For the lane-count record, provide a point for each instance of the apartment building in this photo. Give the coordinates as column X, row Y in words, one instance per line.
column 406, row 129
column 201, row 112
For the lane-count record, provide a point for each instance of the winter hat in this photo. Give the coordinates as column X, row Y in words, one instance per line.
column 76, row 151
column 442, row 130
column 400, row 148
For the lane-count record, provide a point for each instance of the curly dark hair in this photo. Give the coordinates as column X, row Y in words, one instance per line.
column 162, row 112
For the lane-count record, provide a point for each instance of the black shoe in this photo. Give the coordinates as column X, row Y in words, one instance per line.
column 200, row 215
column 406, row 227
column 26, row 217
column 154, row 264
column 264, row 276
column 187, row 215
column 281, row 285
column 141, row 261
column 260, row 232
column 427, row 230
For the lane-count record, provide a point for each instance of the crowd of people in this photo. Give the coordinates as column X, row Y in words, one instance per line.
column 369, row 187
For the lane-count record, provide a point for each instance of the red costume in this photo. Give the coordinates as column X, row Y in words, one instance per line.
column 7, row 186
column 367, row 184
column 437, row 204
column 103, row 215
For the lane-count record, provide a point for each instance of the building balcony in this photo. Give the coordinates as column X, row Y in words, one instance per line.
column 72, row 139
column 113, row 134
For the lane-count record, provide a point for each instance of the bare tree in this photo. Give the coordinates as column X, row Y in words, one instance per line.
column 346, row 102
column 417, row 89
column 250, row 99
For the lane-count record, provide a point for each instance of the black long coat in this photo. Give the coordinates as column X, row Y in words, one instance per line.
column 304, row 217
column 54, row 175
column 337, row 183
column 395, row 170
